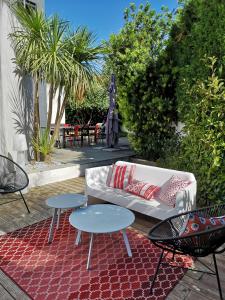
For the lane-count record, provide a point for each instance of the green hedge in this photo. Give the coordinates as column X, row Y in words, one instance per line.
column 198, row 32
column 164, row 75
column 202, row 149
column 93, row 107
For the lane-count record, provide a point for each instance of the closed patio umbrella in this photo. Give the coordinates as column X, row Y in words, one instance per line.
column 112, row 122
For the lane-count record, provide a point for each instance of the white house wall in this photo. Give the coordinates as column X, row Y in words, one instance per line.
column 12, row 99
column 16, row 93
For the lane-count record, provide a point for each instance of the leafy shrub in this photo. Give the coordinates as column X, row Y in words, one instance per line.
column 144, row 80
column 93, row 108
column 202, row 149
column 43, row 144
column 198, row 31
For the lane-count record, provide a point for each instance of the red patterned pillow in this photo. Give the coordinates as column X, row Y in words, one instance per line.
column 169, row 189
column 120, row 176
column 196, row 224
column 142, row 189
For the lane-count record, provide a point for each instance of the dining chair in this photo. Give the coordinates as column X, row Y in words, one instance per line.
column 77, row 134
column 68, row 135
column 85, row 134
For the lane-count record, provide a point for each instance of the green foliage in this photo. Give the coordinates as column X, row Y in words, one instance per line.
column 144, row 80
column 198, row 32
column 202, row 149
column 47, row 49
column 93, row 107
column 43, row 143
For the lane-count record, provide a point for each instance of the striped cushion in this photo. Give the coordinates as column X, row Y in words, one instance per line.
column 119, row 176
column 142, row 189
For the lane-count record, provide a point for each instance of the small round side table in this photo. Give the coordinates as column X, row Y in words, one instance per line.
column 102, row 218
column 64, row 201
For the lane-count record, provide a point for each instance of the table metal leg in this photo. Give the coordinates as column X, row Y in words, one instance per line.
column 59, row 212
column 89, row 252
column 78, row 238
column 126, row 242
column 52, row 225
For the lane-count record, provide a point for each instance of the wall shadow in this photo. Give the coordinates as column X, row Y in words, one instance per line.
column 21, row 106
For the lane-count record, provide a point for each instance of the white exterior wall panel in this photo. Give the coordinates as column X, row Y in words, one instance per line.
column 16, row 93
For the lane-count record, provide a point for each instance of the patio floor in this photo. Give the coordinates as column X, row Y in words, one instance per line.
column 71, row 162
column 92, row 153
column 13, row 216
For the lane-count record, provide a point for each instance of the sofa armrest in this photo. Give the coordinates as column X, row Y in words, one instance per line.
column 96, row 175
column 186, row 199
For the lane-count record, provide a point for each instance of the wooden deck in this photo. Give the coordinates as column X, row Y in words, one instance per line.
column 14, row 216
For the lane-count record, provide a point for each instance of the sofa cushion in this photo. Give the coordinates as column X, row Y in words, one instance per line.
column 109, row 175
column 142, row 189
column 120, row 176
column 153, row 208
column 167, row 193
column 155, row 175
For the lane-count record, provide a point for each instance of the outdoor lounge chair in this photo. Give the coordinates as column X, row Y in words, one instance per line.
column 12, row 178
column 170, row 236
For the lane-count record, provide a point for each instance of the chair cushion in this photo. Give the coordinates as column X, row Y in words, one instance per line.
column 119, row 176
column 195, row 223
column 142, row 189
column 167, row 193
column 7, row 179
column 7, row 188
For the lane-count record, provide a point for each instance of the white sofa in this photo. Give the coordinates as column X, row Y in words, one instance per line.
column 185, row 200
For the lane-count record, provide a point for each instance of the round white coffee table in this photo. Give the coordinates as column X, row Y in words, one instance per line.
column 64, row 201
column 102, row 218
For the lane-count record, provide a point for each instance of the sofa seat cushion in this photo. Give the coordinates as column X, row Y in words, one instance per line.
column 154, row 208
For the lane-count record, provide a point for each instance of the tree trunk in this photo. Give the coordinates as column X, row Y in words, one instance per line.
column 50, row 105
column 60, row 115
column 58, row 103
column 36, row 120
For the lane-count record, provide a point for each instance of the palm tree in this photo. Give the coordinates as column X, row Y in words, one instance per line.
column 83, row 73
column 48, row 50
column 28, row 40
column 54, row 61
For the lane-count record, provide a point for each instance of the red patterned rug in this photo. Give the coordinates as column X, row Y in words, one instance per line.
column 58, row 270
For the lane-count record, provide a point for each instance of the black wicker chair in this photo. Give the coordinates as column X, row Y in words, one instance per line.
column 12, row 178
column 167, row 236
